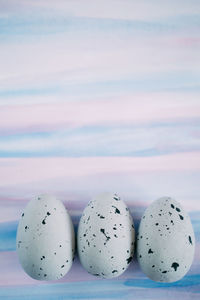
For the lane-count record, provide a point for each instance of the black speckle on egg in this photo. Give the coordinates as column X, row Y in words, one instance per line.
column 129, row 259
column 43, row 222
column 107, row 237
column 190, row 239
column 22, row 215
column 150, row 251
column 164, row 272
column 117, row 211
column 48, row 213
column 62, row 266
column 178, row 209
column 172, row 206
column 181, row 217
column 175, row 265
column 114, row 271
column 100, row 216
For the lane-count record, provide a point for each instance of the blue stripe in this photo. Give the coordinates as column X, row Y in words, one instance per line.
column 176, row 81
column 37, row 24
column 76, row 153
column 28, row 92
column 8, row 236
column 104, row 289
column 105, row 141
column 187, row 281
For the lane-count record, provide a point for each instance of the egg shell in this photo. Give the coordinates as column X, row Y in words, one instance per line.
column 165, row 241
column 45, row 239
column 106, row 236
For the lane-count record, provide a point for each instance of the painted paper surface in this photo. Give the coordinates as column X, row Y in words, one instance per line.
column 98, row 96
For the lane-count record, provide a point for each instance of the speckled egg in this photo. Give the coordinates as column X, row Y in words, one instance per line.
column 165, row 241
column 106, row 236
column 45, row 239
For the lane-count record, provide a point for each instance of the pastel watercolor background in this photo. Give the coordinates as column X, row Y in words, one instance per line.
column 98, row 96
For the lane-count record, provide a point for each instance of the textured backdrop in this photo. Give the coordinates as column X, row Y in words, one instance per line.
column 98, row 96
